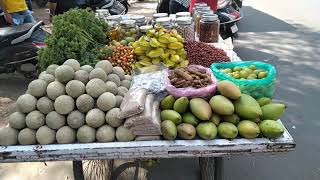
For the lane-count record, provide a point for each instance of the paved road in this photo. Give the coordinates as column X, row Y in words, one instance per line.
column 286, row 34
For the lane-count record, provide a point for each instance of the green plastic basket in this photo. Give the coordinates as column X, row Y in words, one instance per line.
column 257, row 87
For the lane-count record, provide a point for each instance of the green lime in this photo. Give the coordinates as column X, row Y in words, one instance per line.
column 252, row 67
column 244, row 74
column 227, row 70
column 248, row 70
column 262, row 74
column 257, row 71
column 252, row 76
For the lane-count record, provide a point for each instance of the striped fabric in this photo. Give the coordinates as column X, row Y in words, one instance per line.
column 185, row 3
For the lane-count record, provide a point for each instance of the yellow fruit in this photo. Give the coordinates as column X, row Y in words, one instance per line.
column 172, row 39
column 156, row 60
column 175, row 58
column 154, row 43
column 135, row 44
column 180, row 38
column 168, row 63
column 175, row 45
column 184, row 64
column 145, row 63
column 165, row 55
column 169, row 51
column 155, row 53
column 163, row 39
column 162, row 45
column 146, row 59
column 138, row 50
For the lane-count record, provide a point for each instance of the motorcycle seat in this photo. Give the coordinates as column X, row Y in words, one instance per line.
column 13, row 32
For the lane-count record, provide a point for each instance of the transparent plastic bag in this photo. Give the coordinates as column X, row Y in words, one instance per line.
column 256, row 87
column 190, row 91
column 132, row 103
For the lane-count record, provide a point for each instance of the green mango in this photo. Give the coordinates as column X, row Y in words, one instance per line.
column 271, row 128
column 227, row 130
column 186, row 131
column 171, row 115
column 221, row 105
column 181, row 105
column 200, row 108
column 247, row 107
column 263, row 101
column 169, row 130
column 273, row 111
column 248, row 129
column 216, row 119
column 167, row 102
column 207, row 130
column 189, row 118
column 233, row 118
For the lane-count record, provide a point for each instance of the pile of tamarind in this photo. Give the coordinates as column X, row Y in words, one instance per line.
column 185, row 77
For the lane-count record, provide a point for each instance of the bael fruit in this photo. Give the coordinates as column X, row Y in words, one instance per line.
column 248, row 129
column 207, row 130
column 181, row 105
column 216, row 119
column 233, row 118
column 221, row 105
column 200, row 108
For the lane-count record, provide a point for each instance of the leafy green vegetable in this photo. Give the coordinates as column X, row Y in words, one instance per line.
column 76, row 34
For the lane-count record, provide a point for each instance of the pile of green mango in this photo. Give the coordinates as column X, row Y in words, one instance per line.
column 251, row 72
column 227, row 115
column 160, row 45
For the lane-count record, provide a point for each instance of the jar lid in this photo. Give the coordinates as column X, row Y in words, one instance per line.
column 138, row 18
column 200, row 4
column 113, row 17
column 130, row 23
column 145, row 28
column 213, row 17
column 209, row 13
column 163, row 20
column 159, row 15
column 102, row 11
column 204, row 8
column 184, row 20
column 183, row 14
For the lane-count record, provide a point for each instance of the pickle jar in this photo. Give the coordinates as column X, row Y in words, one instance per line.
column 209, row 29
column 199, row 15
column 140, row 19
column 115, row 18
column 102, row 14
column 198, row 5
column 129, row 29
column 185, row 28
column 182, row 14
column 165, row 22
column 199, row 8
column 114, row 30
column 158, row 15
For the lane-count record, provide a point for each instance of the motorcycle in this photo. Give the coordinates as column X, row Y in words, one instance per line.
column 115, row 7
column 19, row 46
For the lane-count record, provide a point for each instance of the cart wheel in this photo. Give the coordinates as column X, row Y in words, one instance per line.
column 77, row 170
column 98, row 169
column 131, row 171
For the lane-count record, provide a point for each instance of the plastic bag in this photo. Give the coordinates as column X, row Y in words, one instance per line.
column 148, row 122
column 132, row 103
column 150, row 78
column 257, row 87
column 190, row 91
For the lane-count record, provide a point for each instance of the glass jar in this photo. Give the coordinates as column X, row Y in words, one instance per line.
column 140, row 19
column 197, row 5
column 128, row 28
column 165, row 22
column 116, row 18
column 199, row 15
column 144, row 29
column 156, row 16
column 198, row 9
column 182, row 14
column 114, row 30
column 185, row 28
column 209, row 29
column 102, row 14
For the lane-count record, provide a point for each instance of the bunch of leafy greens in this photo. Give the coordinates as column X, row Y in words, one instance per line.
column 76, row 34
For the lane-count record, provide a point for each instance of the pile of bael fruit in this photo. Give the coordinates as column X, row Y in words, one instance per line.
column 228, row 114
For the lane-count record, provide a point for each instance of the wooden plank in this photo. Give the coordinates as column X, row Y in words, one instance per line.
column 146, row 149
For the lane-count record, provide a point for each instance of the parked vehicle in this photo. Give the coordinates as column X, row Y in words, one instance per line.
column 115, row 7
column 19, row 46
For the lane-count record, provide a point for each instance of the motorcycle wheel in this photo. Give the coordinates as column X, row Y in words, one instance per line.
column 41, row 3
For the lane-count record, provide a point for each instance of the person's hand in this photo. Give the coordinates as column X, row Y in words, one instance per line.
column 8, row 18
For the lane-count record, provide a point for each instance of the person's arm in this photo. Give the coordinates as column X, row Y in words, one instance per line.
column 52, row 8
column 7, row 16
